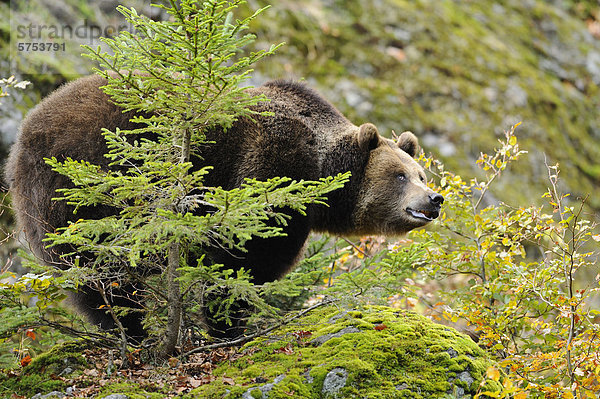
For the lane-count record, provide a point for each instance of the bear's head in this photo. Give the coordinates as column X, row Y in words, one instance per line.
column 394, row 197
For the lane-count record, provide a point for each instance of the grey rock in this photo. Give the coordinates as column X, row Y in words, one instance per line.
column 355, row 97
column 401, row 387
column 515, row 95
column 264, row 389
column 554, row 67
column 116, row 396
column 62, row 12
column 309, row 378
column 465, row 376
column 452, row 353
column 491, row 93
column 498, row 9
column 592, row 64
column 441, row 143
column 405, row 387
column 50, row 395
column 334, row 381
column 324, row 338
column 338, row 316
column 459, row 391
column 400, row 34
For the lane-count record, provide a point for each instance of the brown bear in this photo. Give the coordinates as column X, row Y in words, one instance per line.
column 305, row 138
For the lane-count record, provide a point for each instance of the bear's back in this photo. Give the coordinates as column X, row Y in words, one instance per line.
column 66, row 124
column 294, row 141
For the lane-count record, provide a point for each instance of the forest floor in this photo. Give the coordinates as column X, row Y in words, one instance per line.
column 103, row 372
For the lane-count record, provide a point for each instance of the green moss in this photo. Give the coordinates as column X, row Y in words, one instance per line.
column 410, row 357
column 40, row 376
column 132, row 391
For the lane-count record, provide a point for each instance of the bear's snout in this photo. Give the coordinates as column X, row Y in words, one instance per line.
column 436, row 199
column 428, row 210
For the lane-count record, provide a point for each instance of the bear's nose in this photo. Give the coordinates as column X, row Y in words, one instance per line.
column 436, row 199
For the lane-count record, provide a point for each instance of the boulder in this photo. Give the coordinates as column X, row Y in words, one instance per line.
column 372, row 352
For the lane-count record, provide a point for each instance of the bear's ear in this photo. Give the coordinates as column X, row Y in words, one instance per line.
column 368, row 137
column 409, row 143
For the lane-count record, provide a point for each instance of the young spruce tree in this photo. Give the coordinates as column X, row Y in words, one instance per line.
column 183, row 76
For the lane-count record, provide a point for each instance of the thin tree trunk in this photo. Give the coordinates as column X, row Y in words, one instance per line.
column 174, row 306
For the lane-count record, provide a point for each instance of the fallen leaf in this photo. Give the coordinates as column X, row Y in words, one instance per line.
column 173, row 362
column 228, row 381
column 25, row 361
column 195, row 383
column 30, row 333
column 91, row 372
column 302, row 334
column 181, row 390
column 380, row 327
column 287, row 350
column 207, row 379
column 182, row 379
column 397, row 53
column 493, row 373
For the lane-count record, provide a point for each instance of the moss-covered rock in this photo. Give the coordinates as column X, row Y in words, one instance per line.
column 376, row 352
column 127, row 390
column 46, row 372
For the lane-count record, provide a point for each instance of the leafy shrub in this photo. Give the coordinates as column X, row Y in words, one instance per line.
column 523, row 275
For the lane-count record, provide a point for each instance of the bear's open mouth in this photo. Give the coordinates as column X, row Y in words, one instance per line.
column 422, row 214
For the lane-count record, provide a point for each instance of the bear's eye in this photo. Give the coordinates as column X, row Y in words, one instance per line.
column 422, row 179
column 402, row 177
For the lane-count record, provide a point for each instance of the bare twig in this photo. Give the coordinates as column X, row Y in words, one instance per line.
column 250, row 337
column 356, row 247
column 99, row 285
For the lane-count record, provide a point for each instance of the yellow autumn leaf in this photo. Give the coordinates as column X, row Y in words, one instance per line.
column 512, row 140
column 344, row 258
column 520, row 395
column 493, row 373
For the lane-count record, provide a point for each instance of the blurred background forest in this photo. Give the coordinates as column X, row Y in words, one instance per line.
column 457, row 73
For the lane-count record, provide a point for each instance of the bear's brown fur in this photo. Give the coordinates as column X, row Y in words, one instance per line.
column 306, row 138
